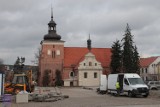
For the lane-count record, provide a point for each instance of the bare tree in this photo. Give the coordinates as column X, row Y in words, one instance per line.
column 19, row 65
column 37, row 56
column 36, row 61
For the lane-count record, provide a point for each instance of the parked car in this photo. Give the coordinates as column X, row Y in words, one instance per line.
column 154, row 85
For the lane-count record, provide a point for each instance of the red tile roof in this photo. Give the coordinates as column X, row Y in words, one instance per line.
column 145, row 62
column 74, row 55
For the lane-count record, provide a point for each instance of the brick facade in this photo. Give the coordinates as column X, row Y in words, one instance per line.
column 52, row 56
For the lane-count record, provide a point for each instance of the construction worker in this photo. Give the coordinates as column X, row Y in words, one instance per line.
column 118, row 88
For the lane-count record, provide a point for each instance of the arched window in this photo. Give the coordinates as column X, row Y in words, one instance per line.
column 72, row 74
column 52, row 28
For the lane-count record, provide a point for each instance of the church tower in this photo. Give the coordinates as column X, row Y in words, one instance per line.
column 52, row 54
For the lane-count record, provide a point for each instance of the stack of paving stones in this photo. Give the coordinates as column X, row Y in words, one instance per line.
column 47, row 97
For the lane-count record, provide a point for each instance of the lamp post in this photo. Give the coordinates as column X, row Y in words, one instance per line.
column 154, row 72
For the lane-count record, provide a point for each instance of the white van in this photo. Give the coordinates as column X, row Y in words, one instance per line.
column 130, row 84
column 103, row 84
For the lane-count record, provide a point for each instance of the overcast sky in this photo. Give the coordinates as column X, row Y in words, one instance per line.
column 23, row 23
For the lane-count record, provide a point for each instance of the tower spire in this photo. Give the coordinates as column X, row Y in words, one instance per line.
column 52, row 35
column 51, row 12
column 89, row 43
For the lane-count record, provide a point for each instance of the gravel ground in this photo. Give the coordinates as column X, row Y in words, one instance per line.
column 154, row 94
column 79, row 97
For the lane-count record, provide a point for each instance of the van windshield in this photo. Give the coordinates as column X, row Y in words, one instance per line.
column 134, row 81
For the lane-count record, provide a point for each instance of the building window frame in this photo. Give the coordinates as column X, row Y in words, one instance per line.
column 85, row 75
column 142, row 70
column 146, row 70
column 72, row 74
column 95, row 74
column 90, row 63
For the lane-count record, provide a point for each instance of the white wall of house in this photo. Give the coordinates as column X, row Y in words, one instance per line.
column 89, row 80
column 89, row 71
column 153, row 67
column 152, row 72
column 144, row 73
column 66, row 82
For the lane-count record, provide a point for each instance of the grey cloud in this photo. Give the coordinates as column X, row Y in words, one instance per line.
column 24, row 23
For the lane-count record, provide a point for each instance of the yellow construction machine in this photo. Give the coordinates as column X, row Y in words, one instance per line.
column 20, row 82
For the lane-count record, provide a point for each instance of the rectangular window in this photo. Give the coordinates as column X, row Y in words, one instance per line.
column 90, row 63
column 53, row 54
column 95, row 74
column 146, row 70
column 85, row 75
column 142, row 70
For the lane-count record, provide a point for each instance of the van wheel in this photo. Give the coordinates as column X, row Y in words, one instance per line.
column 130, row 94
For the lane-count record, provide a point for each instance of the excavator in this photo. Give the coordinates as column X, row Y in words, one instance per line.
column 20, row 82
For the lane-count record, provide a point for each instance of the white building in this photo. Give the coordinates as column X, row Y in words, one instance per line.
column 150, row 68
column 89, row 71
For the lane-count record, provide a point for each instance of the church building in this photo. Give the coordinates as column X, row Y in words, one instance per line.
column 78, row 66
